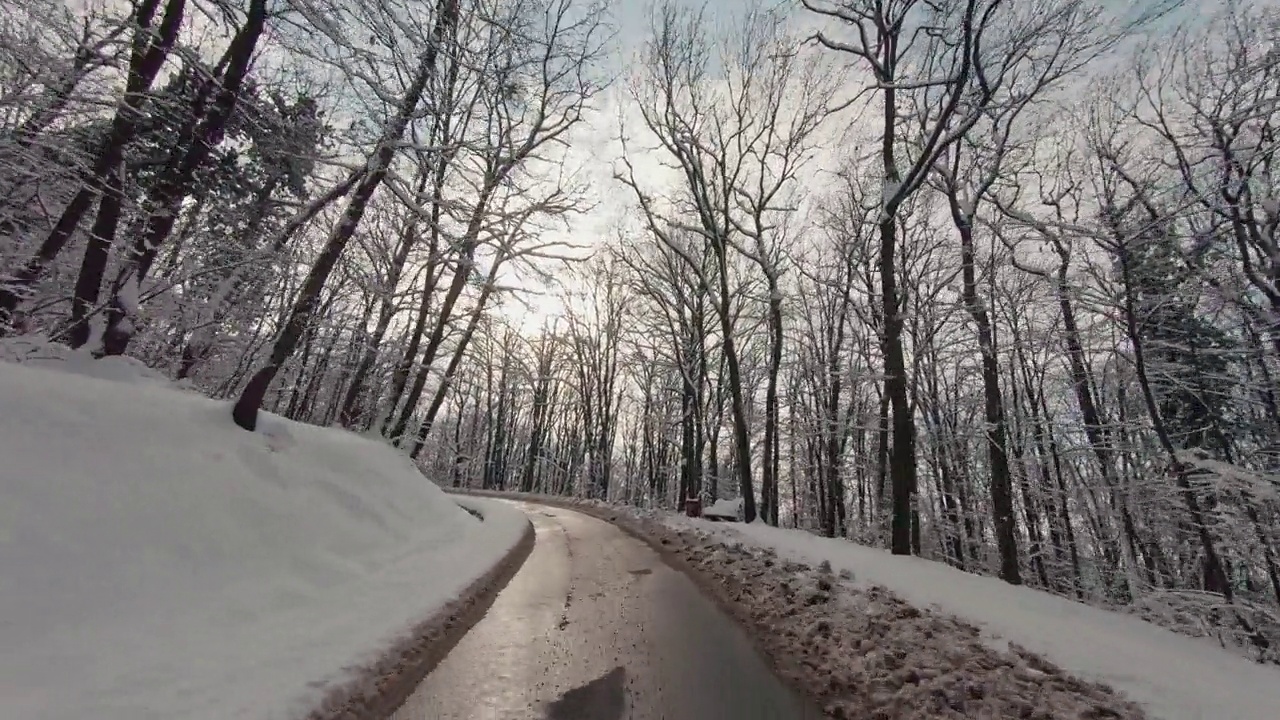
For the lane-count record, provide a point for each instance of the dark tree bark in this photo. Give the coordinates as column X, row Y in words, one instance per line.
column 993, row 403
column 150, row 48
column 93, row 264
column 246, row 408
column 177, row 181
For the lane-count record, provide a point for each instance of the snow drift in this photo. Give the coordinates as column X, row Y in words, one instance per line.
column 1172, row 677
column 158, row 562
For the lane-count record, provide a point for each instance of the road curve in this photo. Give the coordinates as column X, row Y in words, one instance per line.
column 595, row 626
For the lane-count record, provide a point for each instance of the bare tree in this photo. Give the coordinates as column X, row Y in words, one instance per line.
column 540, row 85
column 938, row 69
column 250, row 400
column 737, row 151
column 153, row 38
column 594, row 332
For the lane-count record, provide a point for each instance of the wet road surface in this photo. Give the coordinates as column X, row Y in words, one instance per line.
column 595, row 626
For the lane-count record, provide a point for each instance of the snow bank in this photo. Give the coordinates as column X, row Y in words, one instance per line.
column 1173, row 677
column 158, row 562
column 725, row 508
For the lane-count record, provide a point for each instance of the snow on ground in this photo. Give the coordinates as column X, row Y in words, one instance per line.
column 1173, row 677
column 158, row 562
column 725, row 508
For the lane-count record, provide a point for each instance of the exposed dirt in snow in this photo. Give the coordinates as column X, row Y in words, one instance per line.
column 382, row 687
column 864, row 652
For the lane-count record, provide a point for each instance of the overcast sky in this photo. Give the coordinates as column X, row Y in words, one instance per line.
column 595, row 149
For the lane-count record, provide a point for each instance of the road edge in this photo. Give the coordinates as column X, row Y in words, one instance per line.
column 379, row 689
column 812, row 678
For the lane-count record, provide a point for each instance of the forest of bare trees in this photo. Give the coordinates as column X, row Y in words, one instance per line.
column 991, row 282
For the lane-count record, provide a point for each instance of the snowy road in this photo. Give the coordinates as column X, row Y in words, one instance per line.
column 595, row 626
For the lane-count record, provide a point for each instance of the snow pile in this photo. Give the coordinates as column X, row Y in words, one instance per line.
column 37, row 352
column 1171, row 676
column 866, row 653
column 725, row 508
column 158, row 562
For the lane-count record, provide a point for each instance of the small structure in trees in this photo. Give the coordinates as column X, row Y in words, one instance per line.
column 693, row 506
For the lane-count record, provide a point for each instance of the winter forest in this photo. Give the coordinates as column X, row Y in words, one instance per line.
column 995, row 283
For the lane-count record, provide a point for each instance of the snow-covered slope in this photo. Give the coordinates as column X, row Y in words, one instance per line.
column 158, row 562
column 1172, row 676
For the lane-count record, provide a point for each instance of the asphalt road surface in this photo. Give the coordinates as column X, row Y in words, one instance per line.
column 595, row 626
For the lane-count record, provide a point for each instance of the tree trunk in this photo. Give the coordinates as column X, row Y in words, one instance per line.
column 176, row 182
column 902, row 455
column 997, row 450
column 770, row 462
column 93, row 264
column 149, row 50
column 741, row 436
column 246, row 408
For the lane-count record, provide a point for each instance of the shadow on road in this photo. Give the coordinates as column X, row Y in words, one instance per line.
column 604, row 698
column 592, row 599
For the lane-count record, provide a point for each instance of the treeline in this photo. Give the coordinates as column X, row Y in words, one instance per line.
column 302, row 205
column 1021, row 318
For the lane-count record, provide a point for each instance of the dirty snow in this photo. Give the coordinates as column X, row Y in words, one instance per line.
column 1171, row 676
column 158, row 562
column 872, row 635
column 866, row 653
